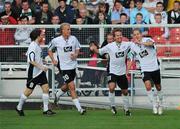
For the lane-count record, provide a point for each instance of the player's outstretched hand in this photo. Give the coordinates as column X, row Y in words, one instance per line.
column 73, row 56
column 45, row 68
column 55, row 62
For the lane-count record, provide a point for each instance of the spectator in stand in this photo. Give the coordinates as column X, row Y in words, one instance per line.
column 44, row 17
column 7, row 34
column 26, row 11
column 101, row 19
column 85, row 18
column 16, row 7
column 150, row 5
column 36, row 6
column 139, row 20
column 174, row 14
column 131, row 5
column 75, row 8
column 158, row 31
column 92, row 7
column 125, row 31
column 103, row 7
column 1, row 6
column 8, row 11
column 65, row 12
column 52, row 32
column 22, row 35
column 139, row 9
column 159, row 9
column 170, row 4
column 116, row 12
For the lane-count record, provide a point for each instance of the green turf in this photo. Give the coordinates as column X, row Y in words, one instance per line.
column 94, row 119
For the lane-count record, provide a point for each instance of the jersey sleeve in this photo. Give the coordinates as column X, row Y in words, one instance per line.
column 52, row 45
column 31, row 54
column 78, row 46
column 104, row 50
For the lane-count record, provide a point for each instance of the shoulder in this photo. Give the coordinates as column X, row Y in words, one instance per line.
column 57, row 39
column 147, row 39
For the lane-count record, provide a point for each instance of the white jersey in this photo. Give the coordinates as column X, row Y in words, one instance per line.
column 117, row 53
column 146, row 55
column 34, row 53
column 64, row 50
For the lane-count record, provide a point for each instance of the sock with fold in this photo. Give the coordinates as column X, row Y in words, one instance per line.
column 151, row 97
column 45, row 98
column 125, row 102
column 59, row 93
column 77, row 104
column 112, row 98
column 21, row 101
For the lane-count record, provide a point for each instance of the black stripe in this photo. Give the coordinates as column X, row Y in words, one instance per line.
column 30, row 55
column 30, row 71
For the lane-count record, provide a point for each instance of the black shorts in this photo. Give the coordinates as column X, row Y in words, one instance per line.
column 154, row 76
column 41, row 79
column 121, row 81
column 68, row 75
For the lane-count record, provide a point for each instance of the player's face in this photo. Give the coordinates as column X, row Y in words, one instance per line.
column 159, row 8
column 118, row 36
column 66, row 31
column 41, row 38
column 110, row 38
column 137, row 35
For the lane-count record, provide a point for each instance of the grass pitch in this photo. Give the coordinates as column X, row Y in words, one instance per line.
column 94, row 119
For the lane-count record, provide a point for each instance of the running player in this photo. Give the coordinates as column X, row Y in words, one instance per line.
column 117, row 52
column 145, row 51
column 36, row 73
column 67, row 50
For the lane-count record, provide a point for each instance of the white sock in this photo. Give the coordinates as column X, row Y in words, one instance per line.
column 45, row 98
column 151, row 97
column 125, row 102
column 59, row 93
column 112, row 98
column 160, row 95
column 21, row 101
column 77, row 104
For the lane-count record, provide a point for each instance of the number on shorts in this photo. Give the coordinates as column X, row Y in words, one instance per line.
column 65, row 77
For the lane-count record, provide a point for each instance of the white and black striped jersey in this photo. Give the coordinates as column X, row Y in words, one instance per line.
column 117, row 53
column 64, row 50
column 34, row 53
column 146, row 55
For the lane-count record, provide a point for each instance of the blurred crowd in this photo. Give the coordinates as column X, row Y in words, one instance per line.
column 86, row 12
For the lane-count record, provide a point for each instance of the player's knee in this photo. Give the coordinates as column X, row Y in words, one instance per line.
column 158, row 87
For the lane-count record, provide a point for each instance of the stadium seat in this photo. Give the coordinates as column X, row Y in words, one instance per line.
column 174, row 31
column 174, row 40
column 159, row 40
column 175, row 51
column 163, row 52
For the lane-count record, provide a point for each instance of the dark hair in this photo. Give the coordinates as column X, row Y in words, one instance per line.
column 139, row 14
column 123, row 14
column 177, row 1
column 7, row 3
column 116, row 30
column 44, row 3
column 159, row 3
column 137, row 29
column 23, row 1
column 62, row 0
column 141, row 1
column 158, row 14
column 34, row 34
column 24, row 17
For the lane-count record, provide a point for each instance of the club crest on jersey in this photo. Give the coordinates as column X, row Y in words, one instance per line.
column 68, row 49
column 119, row 54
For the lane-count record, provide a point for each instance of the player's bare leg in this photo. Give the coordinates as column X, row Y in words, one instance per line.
column 75, row 99
column 126, row 102
column 22, row 100
column 151, row 96
column 112, row 87
column 160, row 99
column 45, row 98
column 60, row 92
